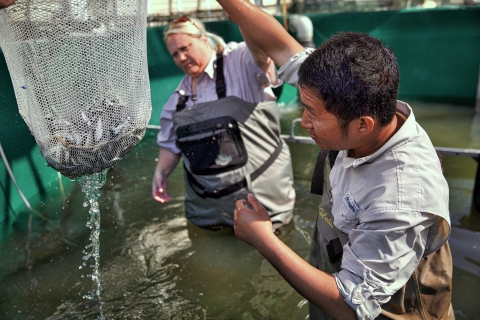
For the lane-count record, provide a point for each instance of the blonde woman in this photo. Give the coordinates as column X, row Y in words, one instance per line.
column 222, row 120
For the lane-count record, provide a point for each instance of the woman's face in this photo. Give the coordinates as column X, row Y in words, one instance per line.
column 190, row 54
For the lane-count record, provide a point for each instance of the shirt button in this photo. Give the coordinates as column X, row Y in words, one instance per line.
column 359, row 296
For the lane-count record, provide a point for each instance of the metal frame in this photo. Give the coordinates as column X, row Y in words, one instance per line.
column 464, row 152
column 12, row 177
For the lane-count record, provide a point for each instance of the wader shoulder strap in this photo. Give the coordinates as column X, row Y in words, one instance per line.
column 220, row 86
column 204, row 193
column 330, row 233
column 334, row 250
column 220, row 81
column 182, row 101
column 316, row 187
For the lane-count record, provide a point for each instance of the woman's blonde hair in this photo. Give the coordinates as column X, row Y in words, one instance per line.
column 195, row 28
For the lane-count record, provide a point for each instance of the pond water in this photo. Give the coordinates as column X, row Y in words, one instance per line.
column 155, row 265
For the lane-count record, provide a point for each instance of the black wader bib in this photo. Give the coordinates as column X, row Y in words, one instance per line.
column 231, row 147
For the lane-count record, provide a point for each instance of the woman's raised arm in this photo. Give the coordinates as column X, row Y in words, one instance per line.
column 262, row 29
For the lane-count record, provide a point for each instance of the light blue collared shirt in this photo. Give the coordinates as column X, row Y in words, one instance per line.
column 392, row 205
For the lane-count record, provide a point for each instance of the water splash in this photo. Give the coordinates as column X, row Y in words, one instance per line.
column 91, row 185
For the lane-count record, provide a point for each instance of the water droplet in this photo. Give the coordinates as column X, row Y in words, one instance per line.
column 90, row 186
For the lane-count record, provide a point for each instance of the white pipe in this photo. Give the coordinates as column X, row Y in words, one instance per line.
column 209, row 11
column 179, row 7
column 149, row 7
column 303, row 27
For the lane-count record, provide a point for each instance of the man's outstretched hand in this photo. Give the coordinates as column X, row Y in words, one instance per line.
column 252, row 226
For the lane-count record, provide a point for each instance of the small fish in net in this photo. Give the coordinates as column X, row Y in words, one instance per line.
column 80, row 75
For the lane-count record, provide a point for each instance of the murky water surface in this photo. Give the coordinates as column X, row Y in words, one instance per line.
column 154, row 265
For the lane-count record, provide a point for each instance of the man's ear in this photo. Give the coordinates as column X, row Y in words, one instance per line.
column 365, row 124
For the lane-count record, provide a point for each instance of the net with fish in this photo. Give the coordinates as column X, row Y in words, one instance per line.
column 79, row 71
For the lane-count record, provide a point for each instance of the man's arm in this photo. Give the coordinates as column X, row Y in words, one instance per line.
column 255, row 228
column 262, row 29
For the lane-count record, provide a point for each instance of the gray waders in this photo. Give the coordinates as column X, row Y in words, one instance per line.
column 426, row 295
column 231, row 147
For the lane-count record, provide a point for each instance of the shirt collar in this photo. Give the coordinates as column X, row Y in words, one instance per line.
column 402, row 136
column 210, row 68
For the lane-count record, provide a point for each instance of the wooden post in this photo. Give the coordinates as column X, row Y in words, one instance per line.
column 476, row 187
column 477, row 105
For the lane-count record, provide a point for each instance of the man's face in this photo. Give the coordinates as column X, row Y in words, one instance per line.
column 322, row 125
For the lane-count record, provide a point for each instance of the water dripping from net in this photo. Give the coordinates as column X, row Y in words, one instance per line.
column 91, row 185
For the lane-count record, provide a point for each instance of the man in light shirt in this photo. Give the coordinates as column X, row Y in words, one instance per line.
column 380, row 247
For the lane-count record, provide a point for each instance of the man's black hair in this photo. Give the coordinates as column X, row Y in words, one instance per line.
column 355, row 75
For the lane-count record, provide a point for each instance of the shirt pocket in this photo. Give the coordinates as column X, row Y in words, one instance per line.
column 345, row 211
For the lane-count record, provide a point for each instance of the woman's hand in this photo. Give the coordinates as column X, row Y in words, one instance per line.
column 159, row 187
column 167, row 161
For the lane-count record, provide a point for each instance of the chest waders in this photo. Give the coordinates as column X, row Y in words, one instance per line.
column 231, row 147
column 426, row 295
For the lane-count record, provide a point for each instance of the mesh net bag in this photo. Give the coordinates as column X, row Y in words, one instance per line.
column 79, row 71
